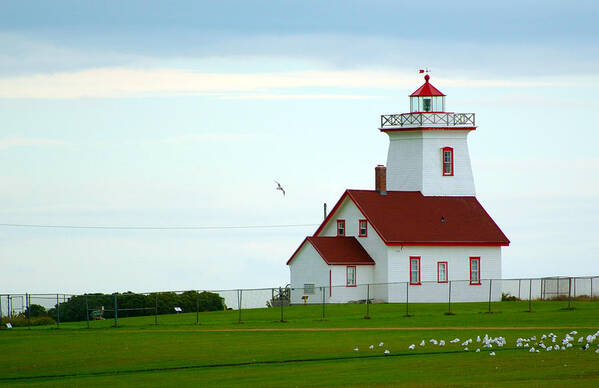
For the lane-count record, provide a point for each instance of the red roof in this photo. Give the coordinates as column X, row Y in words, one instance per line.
column 409, row 218
column 427, row 89
column 338, row 250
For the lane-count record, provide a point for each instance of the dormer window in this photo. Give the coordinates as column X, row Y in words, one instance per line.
column 340, row 227
column 447, row 157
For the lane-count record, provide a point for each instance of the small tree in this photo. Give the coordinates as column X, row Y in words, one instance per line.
column 35, row 310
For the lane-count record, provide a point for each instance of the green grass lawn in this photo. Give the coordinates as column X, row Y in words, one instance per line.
column 177, row 352
column 554, row 313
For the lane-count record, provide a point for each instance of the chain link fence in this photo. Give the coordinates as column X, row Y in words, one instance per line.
column 282, row 304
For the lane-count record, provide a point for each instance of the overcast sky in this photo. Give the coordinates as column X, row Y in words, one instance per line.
column 141, row 113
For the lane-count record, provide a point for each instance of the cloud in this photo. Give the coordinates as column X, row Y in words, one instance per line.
column 199, row 137
column 133, row 82
column 10, row 142
column 296, row 97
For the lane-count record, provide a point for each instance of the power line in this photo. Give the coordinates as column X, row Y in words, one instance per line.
column 156, row 227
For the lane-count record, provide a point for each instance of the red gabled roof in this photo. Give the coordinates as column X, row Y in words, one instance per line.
column 427, row 89
column 409, row 218
column 338, row 250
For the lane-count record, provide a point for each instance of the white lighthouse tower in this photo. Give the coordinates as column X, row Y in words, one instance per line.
column 428, row 147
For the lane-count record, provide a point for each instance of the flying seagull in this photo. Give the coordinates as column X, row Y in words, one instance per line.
column 279, row 187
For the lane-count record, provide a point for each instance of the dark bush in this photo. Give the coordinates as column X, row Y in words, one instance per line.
column 131, row 304
column 35, row 310
column 21, row 321
column 506, row 297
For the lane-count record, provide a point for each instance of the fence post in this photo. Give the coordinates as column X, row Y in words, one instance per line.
column 519, row 286
column 367, row 301
column 281, row 302
column 323, row 303
column 490, row 287
column 239, row 299
column 156, row 309
column 87, row 311
column 407, row 298
column 116, row 311
column 529, row 295
column 570, row 293
column 57, row 312
column 449, row 300
column 591, row 289
column 1, row 306
column 197, row 307
column 28, row 307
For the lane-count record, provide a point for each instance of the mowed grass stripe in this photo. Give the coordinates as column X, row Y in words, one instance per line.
column 240, row 364
column 505, row 314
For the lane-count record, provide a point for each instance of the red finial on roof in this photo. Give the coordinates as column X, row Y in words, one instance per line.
column 427, row 89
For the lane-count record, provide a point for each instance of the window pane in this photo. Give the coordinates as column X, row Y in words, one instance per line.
column 362, row 228
column 414, row 271
column 351, row 276
column 475, row 270
column 442, row 272
column 426, row 105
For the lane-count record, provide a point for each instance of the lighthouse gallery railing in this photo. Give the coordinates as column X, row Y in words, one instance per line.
column 420, row 119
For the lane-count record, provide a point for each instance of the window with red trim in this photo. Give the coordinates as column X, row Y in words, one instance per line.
column 340, row 227
column 475, row 270
column 447, row 161
column 442, row 272
column 415, row 270
column 351, row 276
column 363, row 228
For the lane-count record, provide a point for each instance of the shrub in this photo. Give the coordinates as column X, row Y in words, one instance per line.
column 506, row 297
column 35, row 310
column 21, row 321
column 74, row 309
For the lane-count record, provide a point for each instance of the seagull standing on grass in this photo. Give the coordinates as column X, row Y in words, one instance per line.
column 279, row 187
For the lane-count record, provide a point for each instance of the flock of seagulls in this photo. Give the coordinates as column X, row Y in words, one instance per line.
column 546, row 342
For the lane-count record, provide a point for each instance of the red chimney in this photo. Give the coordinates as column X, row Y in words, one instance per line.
column 380, row 179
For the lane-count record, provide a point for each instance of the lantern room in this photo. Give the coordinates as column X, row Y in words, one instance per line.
column 427, row 98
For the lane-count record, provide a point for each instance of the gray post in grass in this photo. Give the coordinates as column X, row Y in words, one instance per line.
column 368, row 300
column 323, row 302
column 281, row 302
column 156, row 309
column 116, row 312
column 407, row 298
column 519, row 285
column 529, row 295
column 569, row 293
column 57, row 312
column 197, row 307
column 449, row 298
column 86, row 311
column 490, row 287
column 28, row 307
column 239, row 298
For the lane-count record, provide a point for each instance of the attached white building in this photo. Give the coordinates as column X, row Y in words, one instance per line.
column 419, row 231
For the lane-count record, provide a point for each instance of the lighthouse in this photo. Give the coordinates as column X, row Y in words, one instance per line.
column 420, row 232
column 428, row 147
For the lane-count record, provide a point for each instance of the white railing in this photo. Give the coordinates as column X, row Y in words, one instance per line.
column 424, row 119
